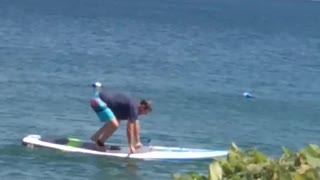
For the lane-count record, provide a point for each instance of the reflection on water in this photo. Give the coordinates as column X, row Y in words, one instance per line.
column 115, row 168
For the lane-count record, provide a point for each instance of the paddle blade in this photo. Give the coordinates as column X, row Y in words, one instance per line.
column 145, row 141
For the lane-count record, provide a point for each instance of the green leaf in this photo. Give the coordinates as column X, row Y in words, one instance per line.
column 234, row 147
column 287, row 152
column 215, row 171
column 233, row 157
column 298, row 177
column 313, row 150
column 239, row 167
column 178, row 177
column 291, row 168
column 253, row 165
column 310, row 175
column 307, row 175
column 311, row 160
column 196, row 176
column 303, row 168
column 254, row 168
column 227, row 169
column 284, row 175
column 259, row 157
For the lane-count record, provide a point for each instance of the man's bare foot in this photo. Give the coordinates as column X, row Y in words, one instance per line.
column 138, row 146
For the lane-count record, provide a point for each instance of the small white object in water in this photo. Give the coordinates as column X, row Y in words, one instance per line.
column 97, row 84
column 247, row 95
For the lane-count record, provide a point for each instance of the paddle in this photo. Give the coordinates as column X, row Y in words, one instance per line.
column 145, row 141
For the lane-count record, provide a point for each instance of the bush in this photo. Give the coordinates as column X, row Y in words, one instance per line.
column 253, row 164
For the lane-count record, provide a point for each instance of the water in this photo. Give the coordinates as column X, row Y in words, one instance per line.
column 194, row 59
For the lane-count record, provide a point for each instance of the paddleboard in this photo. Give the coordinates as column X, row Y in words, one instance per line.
column 149, row 152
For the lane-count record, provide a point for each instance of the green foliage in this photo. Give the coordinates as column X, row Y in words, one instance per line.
column 254, row 165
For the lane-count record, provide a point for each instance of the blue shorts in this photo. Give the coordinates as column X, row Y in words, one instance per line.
column 106, row 115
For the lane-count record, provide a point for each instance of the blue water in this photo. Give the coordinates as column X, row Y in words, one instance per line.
column 194, row 59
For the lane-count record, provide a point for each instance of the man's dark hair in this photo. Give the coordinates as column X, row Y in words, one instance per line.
column 147, row 104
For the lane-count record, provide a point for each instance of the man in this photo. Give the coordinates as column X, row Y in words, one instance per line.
column 111, row 108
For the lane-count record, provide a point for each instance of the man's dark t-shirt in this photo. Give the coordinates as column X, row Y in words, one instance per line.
column 123, row 106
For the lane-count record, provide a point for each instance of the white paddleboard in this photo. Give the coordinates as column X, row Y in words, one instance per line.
column 122, row 151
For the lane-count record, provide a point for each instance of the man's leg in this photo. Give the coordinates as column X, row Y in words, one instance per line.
column 105, row 132
column 108, row 129
column 110, row 126
column 96, row 136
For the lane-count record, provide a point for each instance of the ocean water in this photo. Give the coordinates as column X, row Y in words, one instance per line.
column 192, row 58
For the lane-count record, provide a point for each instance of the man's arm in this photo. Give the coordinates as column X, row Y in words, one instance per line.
column 130, row 134
column 137, row 132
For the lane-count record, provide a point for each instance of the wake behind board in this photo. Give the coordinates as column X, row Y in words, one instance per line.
column 122, row 151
